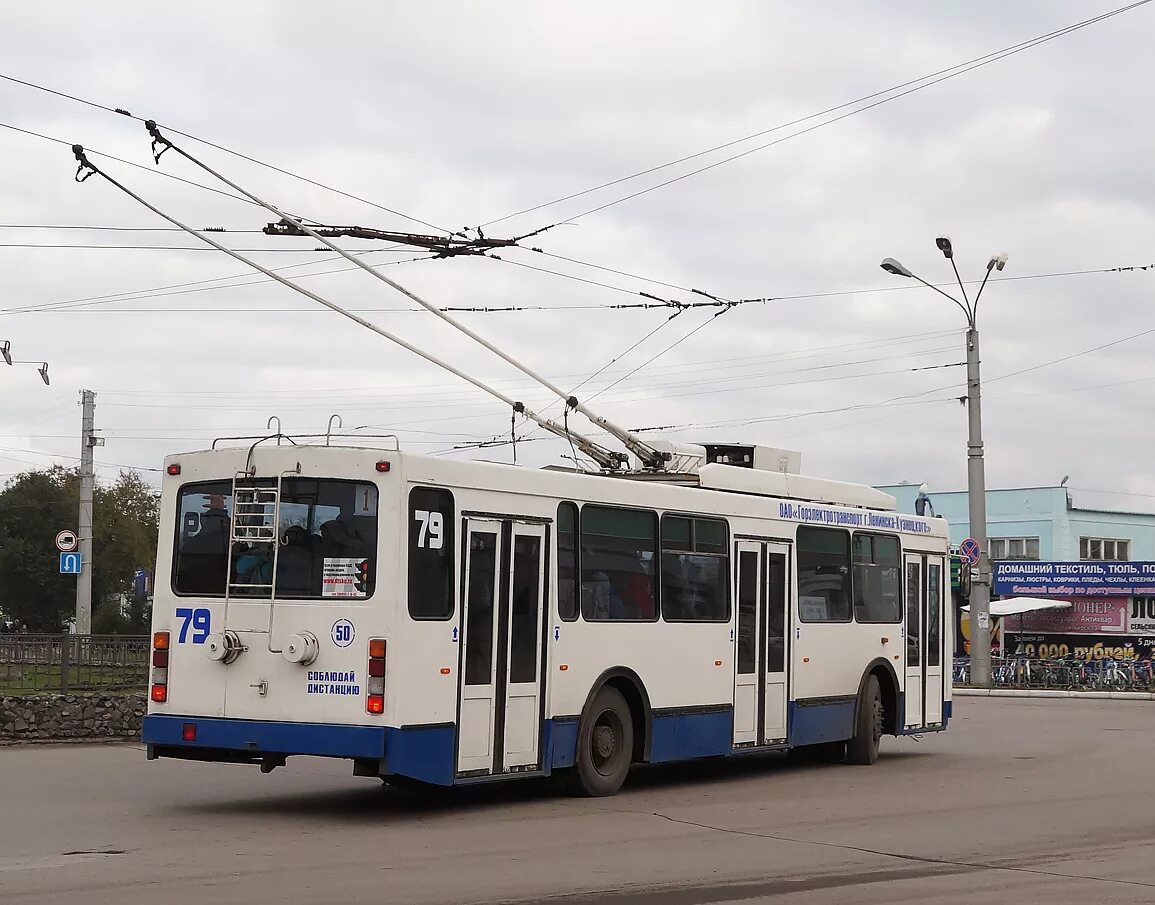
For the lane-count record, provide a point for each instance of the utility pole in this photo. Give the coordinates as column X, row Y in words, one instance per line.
column 980, row 595
column 88, row 440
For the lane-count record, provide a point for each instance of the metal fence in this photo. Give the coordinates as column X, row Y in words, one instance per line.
column 30, row 664
column 1074, row 675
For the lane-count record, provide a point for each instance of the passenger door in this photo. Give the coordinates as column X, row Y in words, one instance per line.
column 915, row 679
column 761, row 644
column 499, row 720
column 935, row 685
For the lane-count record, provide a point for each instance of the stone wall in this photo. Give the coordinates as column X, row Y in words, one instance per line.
column 48, row 717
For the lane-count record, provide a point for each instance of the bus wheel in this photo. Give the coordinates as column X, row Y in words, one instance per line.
column 605, row 746
column 863, row 748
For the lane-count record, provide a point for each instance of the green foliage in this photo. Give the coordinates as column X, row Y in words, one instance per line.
column 37, row 504
column 108, row 619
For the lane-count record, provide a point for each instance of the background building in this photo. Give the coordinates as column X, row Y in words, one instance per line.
column 1043, row 523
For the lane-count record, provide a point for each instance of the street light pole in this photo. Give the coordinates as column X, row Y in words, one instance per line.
column 980, row 596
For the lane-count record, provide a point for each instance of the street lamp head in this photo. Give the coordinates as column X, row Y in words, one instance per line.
column 890, row 265
column 943, row 243
column 43, row 369
column 6, row 351
column 997, row 262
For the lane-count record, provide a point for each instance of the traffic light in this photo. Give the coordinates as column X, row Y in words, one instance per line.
column 361, row 579
column 960, row 577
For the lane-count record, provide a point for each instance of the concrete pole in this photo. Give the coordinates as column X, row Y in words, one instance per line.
column 980, row 597
column 84, row 521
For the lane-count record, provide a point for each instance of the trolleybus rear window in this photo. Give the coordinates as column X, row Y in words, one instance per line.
column 325, row 542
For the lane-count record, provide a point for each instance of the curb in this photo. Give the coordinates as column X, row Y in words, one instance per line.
column 91, row 740
column 1050, row 693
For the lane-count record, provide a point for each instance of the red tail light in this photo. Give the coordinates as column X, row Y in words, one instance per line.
column 158, row 693
column 375, row 703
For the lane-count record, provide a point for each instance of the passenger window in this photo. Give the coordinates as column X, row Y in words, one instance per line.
column 823, row 575
column 933, row 613
column 525, row 637
column 776, row 575
column 431, row 532
column 877, row 579
column 618, row 563
column 695, row 570
column 479, row 628
column 913, row 614
column 747, row 612
column 567, row 562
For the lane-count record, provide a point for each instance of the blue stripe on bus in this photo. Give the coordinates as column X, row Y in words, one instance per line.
column 683, row 736
column 814, row 722
column 560, row 743
column 261, row 737
column 425, row 753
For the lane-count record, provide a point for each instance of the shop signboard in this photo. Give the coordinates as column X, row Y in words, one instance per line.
column 1021, row 578
column 1098, row 616
column 1080, row 647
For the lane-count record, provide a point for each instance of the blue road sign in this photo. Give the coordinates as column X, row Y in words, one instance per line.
column 70, row 563
column 969, row 549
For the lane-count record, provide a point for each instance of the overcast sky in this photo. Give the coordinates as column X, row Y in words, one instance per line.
column 459, row 114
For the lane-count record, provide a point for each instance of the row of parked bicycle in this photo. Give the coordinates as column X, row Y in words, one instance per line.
column 1083, row 675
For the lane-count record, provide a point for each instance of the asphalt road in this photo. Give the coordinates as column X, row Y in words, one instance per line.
column 1021, row 801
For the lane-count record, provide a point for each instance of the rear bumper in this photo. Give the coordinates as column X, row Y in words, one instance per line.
column 425, row 753
column 253, row 738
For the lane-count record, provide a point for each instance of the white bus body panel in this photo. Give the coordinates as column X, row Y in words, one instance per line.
column 686, row 670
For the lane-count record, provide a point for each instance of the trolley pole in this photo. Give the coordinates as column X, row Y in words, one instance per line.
column 84, row 520
column 980, row 596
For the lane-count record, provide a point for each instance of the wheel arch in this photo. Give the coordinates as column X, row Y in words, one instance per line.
column 633, row 689
column 888, row 686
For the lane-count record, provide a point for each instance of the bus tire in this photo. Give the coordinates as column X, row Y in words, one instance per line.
column 863, row 747
column 605, row 746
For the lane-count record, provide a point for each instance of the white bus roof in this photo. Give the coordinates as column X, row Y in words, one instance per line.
column 270, row 460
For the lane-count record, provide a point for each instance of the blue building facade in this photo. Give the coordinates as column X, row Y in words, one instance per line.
column 1043, row 523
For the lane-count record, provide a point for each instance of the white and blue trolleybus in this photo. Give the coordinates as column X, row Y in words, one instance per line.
column 459, row 622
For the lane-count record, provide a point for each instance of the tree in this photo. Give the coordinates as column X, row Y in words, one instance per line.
column 37, row 504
